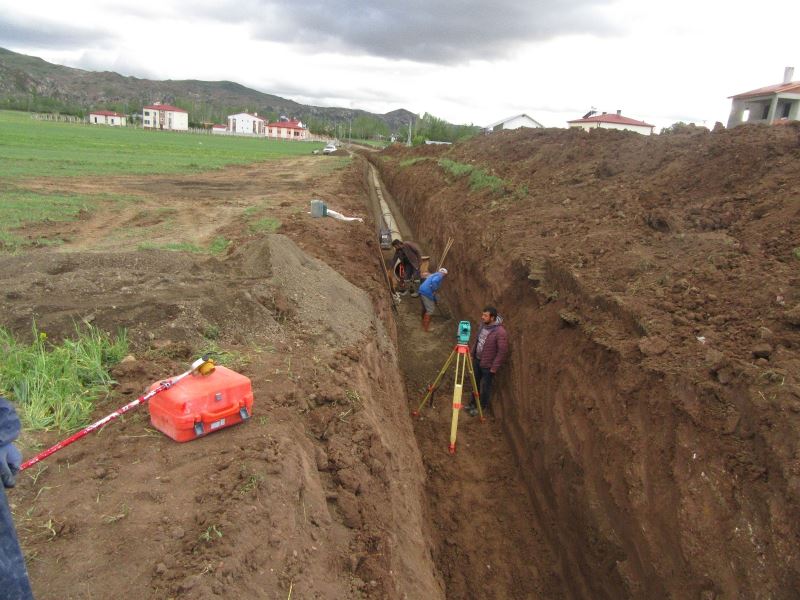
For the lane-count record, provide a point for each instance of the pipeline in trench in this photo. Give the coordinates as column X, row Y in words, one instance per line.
column 485, row 537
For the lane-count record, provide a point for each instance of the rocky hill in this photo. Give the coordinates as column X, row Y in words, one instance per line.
column 30, row 83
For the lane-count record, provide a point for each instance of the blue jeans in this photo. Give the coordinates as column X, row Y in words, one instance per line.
column 14, row 583
column 483, row 377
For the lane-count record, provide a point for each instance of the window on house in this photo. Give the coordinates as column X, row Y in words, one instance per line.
column 785, row 110
column 765, row 112
column 745, row 115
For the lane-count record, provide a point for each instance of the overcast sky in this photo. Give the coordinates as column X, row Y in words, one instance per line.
column 467, row 61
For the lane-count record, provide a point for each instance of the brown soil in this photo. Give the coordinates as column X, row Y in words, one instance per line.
column 650, row 288
column 644, row 440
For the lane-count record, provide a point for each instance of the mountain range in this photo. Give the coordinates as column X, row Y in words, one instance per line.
column 30, row 83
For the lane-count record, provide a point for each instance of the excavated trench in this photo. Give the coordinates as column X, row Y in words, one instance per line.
column 596, row 478
column 487, row 542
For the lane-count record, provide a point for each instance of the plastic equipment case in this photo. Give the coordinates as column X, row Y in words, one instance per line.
column 201, row 404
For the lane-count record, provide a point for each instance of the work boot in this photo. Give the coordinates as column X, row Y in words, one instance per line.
column 426, row 322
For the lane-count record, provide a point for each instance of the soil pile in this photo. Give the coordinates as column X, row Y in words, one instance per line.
column 650, row 286
column 319, row 495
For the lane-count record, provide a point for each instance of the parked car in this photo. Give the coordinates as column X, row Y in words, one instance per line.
column 329, row 149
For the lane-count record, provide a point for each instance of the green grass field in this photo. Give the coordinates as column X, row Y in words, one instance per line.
column 36, row 150
column 31, row 148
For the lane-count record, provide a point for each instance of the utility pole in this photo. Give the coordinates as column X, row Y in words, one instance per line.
column 408, row 143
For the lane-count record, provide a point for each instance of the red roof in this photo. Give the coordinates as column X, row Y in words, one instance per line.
column 287, row 124
column 106, row 113
column 166, row 107
column 792, row 86
column 611, row 118
column 215, row 126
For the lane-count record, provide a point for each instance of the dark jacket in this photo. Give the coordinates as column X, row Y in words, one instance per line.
column 495, row 347
column 412, row 254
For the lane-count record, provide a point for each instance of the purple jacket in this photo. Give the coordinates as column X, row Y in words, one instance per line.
column 495, row 348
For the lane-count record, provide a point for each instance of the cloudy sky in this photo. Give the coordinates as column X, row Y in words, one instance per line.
column 467, row 61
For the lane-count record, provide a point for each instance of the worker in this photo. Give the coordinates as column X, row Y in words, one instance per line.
column 14, row 583
column 489, row 351
column 410, row 257
column 427, row 293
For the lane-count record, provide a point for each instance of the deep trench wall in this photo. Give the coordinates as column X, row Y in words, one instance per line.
column 638, row 479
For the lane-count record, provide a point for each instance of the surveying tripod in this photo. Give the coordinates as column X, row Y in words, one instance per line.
column 463, row 360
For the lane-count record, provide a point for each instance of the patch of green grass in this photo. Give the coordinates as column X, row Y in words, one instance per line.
column 796, row 253
column 20, row 207
column 219, row 245
column 172, row 246
column 267, row 224
column 55, row 386
column 334, row 163
column 33, row 148
column 479, row 179
column 250, row 211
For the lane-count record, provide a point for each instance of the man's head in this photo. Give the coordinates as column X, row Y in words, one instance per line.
column 397, row 243
column 489, row 315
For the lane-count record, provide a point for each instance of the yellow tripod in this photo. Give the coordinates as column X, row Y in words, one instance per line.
column 463, row 360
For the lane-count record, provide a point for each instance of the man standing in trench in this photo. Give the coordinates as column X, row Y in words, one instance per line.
column 427, row 294
column 410, row 256
column 488, row 354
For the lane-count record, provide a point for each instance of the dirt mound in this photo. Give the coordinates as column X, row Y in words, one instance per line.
column 649, row 285
column 318, row 495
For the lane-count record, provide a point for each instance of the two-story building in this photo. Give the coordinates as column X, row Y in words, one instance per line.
column 247, row 124
column 165, row 116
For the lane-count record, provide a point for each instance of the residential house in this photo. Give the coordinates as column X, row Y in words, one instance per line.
column 591, row 120
column 247, row 124
column 221, row 129
column 514, row 122
column 164, row 116
column 287, row 129
column 107, row 117
column 772, row 104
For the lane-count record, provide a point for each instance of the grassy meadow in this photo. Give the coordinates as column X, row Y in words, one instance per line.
column 31, row 148
column 33, row 151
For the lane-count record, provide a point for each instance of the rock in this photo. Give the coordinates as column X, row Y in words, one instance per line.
column 762, row 351
column 652, row 346
column 161, row 568
column 725, row 375
column 570, row 318
column 765, row 333
column 321, row 458
column 177, row 533
column 348, row 506
column 128, row 359
column 792, row 316
column 762, row 362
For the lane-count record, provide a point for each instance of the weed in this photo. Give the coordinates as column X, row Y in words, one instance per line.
column 455, row 168
column 219, row 245
column 211, row 534
column 55, row 386
column 171, row 246
column 412, row 161
column 481, row 180
column 250, row 484
column 50, row 529
column 796, row 253
column 267, row 224
column 355, row 402
column 124, row 512
column 211, row 332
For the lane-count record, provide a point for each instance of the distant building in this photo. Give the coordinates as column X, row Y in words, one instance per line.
column 247, row 124
column 772, row 104
column 219, row 129
column 288, row 129
column 514, row 122
column 107, row 117
column 591, row 120
column 164, row 116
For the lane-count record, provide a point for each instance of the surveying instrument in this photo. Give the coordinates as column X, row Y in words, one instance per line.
column 463, row 360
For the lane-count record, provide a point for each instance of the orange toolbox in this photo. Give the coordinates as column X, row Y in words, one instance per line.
column 201, row 404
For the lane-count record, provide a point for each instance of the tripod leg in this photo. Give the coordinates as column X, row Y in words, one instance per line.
column 476, row 394
column 457, row 392
column 435, row 383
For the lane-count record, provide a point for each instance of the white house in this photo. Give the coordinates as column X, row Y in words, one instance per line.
column 514, row 122
column 164, row 116
column 290, row 129
column 611, row 121
column 772, row 104
column 247, row 124
column 107, row 117
column 220, row 129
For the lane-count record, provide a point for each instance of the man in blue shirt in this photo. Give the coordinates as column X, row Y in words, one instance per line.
column 13, row 575
column 427, row 293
